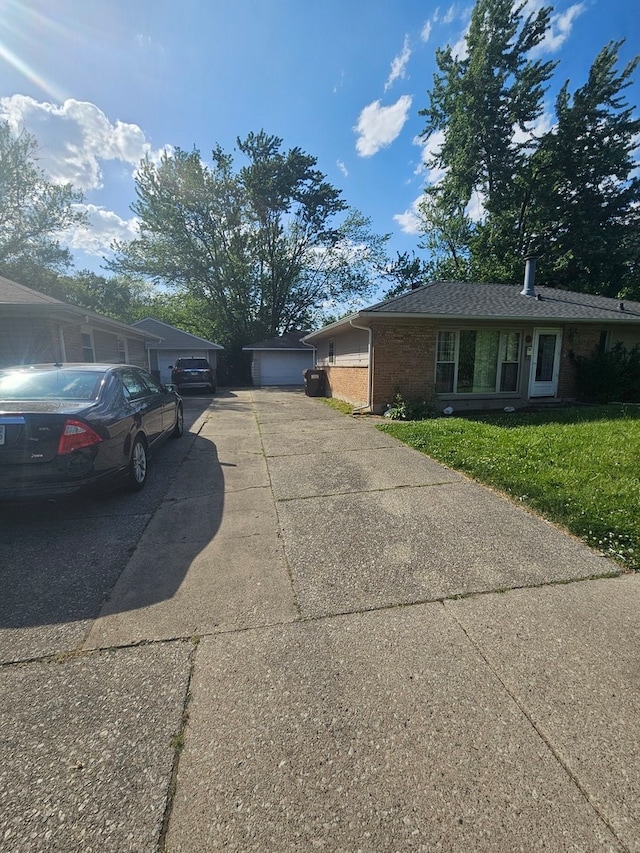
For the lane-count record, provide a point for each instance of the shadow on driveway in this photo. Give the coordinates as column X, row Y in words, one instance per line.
column 60, row 560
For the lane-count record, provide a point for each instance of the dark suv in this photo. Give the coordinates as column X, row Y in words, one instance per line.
column 193, row 373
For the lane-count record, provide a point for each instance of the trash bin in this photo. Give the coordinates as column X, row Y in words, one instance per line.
column 314, row 382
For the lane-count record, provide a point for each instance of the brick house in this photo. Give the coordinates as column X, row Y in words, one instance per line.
column 470, row 346
column 36, row 328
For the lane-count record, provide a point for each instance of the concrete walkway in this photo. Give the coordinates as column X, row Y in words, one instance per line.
column 326, row 641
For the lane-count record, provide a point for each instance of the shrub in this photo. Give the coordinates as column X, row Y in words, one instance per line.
column 606, row 376
column 410, row 410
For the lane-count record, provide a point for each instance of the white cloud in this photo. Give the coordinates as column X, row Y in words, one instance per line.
column 425, row 33
column 450, row 15
column 542, row 125
column 342, row 168
column 430, row 147
column 560, row 27
column 559, row 30
column 104, row 226
column 379, row 126
column 475, row 209
column 409, row 221
column 75, row 137
column 399, row 65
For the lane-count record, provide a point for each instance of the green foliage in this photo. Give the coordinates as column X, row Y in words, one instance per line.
column 261, row 248
column 334, row 403
column 33, row 213
column 409, row 410
column 578, row 466
column 609, row 375
column 405, row 272
column 568, row 193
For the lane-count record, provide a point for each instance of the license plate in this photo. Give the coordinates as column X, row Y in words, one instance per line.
column 1, row 433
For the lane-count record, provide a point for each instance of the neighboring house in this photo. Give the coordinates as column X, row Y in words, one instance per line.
column 280, row 361
column 172, row 343
column 36, row 328
column 470, row 346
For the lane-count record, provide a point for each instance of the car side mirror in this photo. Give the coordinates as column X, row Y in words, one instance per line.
column 170, row 386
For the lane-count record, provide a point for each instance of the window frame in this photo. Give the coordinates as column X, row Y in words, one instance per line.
column 88, row 345
column 446, row 348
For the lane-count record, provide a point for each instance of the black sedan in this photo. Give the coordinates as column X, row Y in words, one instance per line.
column 72, row 427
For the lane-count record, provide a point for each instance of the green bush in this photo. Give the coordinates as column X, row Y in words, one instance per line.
column 607, row 376
column 410, row 410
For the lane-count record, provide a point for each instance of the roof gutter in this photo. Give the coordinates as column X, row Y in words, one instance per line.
column 370, row 365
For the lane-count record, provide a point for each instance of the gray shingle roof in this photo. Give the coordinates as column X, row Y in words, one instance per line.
column 288, row 341
column 173, row 338
column 493, row 301
column 17, row 294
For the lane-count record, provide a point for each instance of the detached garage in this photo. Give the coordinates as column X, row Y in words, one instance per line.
column 174, row 343
column 280, row 361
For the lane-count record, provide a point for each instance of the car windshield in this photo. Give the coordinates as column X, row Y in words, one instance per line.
column 50, row 384
column 191, row 363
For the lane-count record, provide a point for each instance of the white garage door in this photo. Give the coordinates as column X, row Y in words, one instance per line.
column 284, row 368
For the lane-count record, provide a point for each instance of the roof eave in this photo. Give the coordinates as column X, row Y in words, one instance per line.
column 516, row 318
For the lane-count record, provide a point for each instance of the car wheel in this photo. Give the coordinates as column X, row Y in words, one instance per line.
column 138, row 464
column 179, row 427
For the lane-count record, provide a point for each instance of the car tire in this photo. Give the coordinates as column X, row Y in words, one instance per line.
column 179, row 427
column 138, row 465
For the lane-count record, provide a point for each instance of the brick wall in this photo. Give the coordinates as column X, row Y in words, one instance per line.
column 577, row 341
column 73, row 343
column 404, row 363
column 348, row 383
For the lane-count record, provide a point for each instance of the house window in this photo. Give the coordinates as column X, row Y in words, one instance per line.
column 332, row 352
column 87, row 347
column 477, row 361
column 509, row 361
column 122, row 351
column 446, row 362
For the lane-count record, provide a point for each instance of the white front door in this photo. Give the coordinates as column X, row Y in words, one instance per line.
column 545, row 362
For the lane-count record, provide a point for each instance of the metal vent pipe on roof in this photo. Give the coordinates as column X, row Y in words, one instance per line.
column 529, row 276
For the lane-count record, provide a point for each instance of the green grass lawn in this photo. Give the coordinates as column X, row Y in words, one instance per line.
column 579, row 467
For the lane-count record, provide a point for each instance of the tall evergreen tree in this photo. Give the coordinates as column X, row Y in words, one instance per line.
column 566, row 193
column 585, row 198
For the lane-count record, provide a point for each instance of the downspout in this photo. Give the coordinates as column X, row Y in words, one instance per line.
column 369, row 368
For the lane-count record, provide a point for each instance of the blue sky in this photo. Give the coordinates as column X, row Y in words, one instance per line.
column 101, row 83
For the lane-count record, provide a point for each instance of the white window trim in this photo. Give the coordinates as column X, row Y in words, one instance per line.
column 471, row 394
column 87, row 330
column 124, row 352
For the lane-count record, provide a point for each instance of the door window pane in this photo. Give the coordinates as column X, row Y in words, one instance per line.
column 546, row 356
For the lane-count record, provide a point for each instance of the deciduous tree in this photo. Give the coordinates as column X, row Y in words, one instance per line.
column 33, row 214
column 264, row 247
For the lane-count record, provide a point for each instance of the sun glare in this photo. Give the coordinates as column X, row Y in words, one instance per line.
column 22, row 25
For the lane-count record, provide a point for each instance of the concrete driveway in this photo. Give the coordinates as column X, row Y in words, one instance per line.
column 325, row 640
